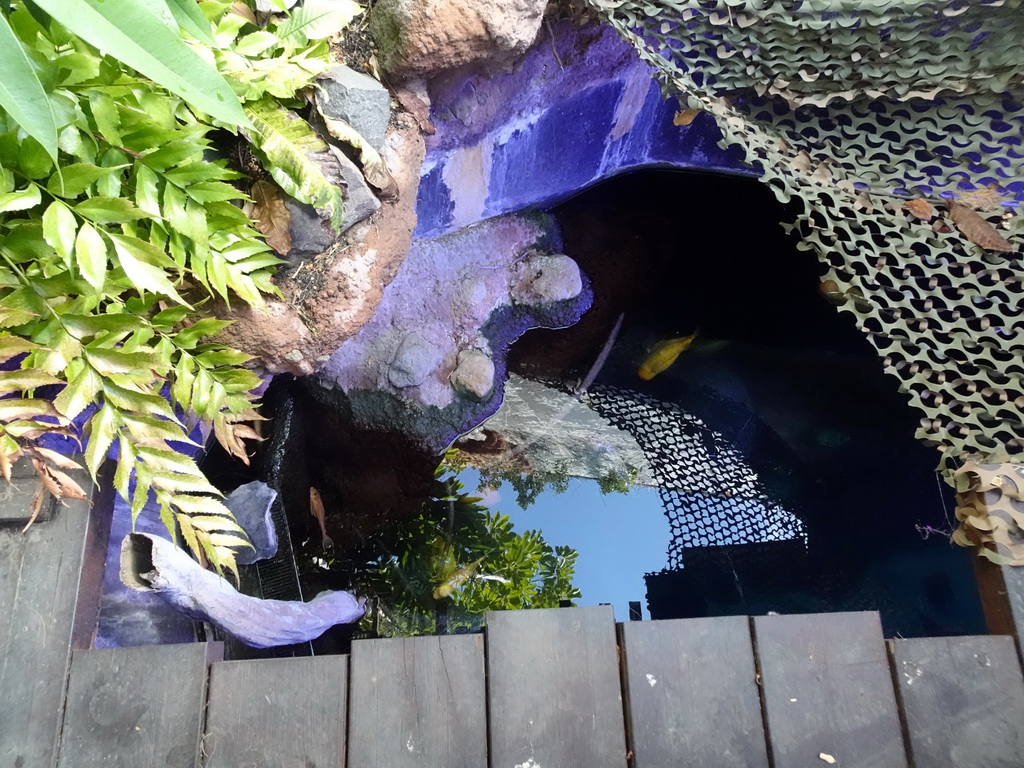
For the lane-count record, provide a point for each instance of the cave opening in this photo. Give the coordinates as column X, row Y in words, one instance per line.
column 784, row 457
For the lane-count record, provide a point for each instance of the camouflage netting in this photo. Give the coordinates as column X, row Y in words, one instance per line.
column 899, row 126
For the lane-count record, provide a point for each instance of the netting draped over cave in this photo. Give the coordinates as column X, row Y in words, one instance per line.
column 710, row 493
column 899, row 128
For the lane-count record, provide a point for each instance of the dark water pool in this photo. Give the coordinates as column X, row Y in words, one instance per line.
column 788, row 469
column 773, row 466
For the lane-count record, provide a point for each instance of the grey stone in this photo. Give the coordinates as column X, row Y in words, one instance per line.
column 311, row 235
column 310, row 230
column 360, row 202
column 474, row 374
column 415, row 359
column 358, row 99
column 250, row 504
column 541, row 278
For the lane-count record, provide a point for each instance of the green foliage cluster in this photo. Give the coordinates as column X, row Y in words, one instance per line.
column 527, row 485
column 530, row 485
column 118, row 225
column 460, row 557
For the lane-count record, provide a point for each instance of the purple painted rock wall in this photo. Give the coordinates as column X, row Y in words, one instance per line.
column 580, row 107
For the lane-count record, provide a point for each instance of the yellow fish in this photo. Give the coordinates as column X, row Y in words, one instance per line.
column 663, row 354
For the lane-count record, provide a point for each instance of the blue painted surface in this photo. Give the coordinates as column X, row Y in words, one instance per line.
column 434, row 197
column 558, row 154
column 554, row 126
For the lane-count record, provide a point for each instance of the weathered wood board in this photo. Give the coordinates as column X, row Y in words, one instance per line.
column 962, row 700
column 39, row 581
column 1002, row 597
column 828, row 690
column 277, row 712
column 134, row 707
column 554, row 694
column 692, row 694
column 421, row 702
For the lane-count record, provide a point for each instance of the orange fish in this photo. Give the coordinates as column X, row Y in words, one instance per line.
column 663, row 354
column 316, row 509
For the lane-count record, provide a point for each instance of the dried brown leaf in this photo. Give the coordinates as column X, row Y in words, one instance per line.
column 68, row 487
column 241, row 9
column 271, row 216
column 920, row 209
column 37, row 505
column 46, row 478
column 62, row 461
column 247, row 432
column 976, row 229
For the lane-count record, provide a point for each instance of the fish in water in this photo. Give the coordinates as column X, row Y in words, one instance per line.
column 663, row 354
column 316, row 509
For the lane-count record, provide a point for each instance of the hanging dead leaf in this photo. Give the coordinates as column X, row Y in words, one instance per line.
column 832, row 292
column 802, row 162
column 374, row 169
column 920, row 209
column 976, row 229
column 685, row 116
column 241, row 9
column 271, row 216
column 37, row 505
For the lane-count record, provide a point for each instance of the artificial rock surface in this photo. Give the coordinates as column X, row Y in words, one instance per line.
column 329, row 297
column 431, row 361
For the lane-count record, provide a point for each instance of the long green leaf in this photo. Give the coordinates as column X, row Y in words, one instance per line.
column 21, row 93
column 191, row 19
column 133, row 34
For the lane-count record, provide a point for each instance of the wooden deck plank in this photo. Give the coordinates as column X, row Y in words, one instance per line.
column 692, row 694
column 963, row 701
column 277, row 712
column 1002, row 598
column 827, row 690
column 554, row 694
column 135, row 707
column 422, row 702
column 39, row 582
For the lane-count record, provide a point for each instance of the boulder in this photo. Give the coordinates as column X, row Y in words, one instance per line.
column 474, row 374
column 310, row 229
column 431, row 362
column 416, row 359
column 358, row 99
column 420, row 38
column 541, row 278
